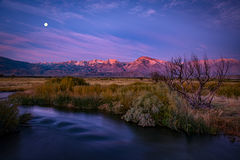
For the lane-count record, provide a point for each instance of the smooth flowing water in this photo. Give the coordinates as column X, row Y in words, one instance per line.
column 4, row 95
column 62, row 135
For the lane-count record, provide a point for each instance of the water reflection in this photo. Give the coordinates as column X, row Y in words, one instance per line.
column 4, row 95
column 64, row 135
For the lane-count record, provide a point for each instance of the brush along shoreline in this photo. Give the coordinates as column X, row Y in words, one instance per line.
column 146, row 104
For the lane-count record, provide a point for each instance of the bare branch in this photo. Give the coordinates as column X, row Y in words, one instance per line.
column 191, row 79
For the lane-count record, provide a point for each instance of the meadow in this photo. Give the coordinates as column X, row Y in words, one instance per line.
column 12, row 84
column 135, row 100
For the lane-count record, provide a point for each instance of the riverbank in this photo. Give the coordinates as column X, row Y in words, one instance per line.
column 10, row 119
column 145, row 103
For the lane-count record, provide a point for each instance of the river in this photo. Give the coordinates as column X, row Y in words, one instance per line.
column 55, row 134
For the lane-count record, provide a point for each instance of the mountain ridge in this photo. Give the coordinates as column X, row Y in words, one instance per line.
column 141, row 67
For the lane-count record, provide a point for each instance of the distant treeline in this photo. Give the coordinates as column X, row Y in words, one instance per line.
column 102, row 77
column 232, row 78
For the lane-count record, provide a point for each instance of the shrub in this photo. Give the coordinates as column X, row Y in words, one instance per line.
column 27, row 99
column 10, row 119
column 186, row 119
column 86, row 102
column 229, row 90
column 156, row 77
column 60, row 100
column 56, row 85
column 68, row 83
column 146, row 110
column 190, row 124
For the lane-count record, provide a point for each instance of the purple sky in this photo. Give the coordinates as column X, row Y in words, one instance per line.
column 121, row 29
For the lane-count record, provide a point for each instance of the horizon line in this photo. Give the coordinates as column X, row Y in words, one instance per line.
column 109, row 59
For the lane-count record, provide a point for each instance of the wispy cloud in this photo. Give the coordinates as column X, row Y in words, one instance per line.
column 49, row 12
column 141, row 11
column 135, row 10
column 103, row 5
column 149, row 12
column 12, row 39
column 97, row 6
column 202, row 48
column 215, row 12
column 49, row 44
column 228, row 13
column 174, row 3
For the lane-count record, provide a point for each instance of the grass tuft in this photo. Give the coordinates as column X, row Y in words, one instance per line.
column 10, row 119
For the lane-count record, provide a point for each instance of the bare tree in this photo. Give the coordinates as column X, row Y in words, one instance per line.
column 156, row 77
column 196, row 80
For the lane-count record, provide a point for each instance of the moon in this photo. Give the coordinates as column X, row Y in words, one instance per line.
column 45, row 24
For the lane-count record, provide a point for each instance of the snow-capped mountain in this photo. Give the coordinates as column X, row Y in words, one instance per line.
column 141, row 67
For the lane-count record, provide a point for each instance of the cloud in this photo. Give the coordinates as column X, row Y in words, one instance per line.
column 149, row 12
column 174, row 3
column 27, row 54
column 94, row 6
column 12, row 38
column 212, row 13
column 141, row 11
column 228, row 13
column 103, row 5
column 49, row 12
column 135, row 10
column 201, row 48
column 54, row 44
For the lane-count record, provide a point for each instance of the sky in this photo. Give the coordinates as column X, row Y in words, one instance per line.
column 118, row 29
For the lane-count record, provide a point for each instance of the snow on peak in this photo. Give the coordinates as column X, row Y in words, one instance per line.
column 95, row 61
column 150, row 60
column 111, row 61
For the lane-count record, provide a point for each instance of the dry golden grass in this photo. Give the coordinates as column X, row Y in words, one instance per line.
column 118, row 81
column 229, row 119
column 22, row 84
column 229, row 106
column 19, row 84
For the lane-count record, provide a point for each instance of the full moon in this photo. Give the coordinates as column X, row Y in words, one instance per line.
column 45, row 24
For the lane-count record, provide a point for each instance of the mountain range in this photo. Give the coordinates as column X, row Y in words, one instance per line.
column 141, row 67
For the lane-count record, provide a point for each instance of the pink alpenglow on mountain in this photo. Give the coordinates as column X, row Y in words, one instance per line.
column 141, row 67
